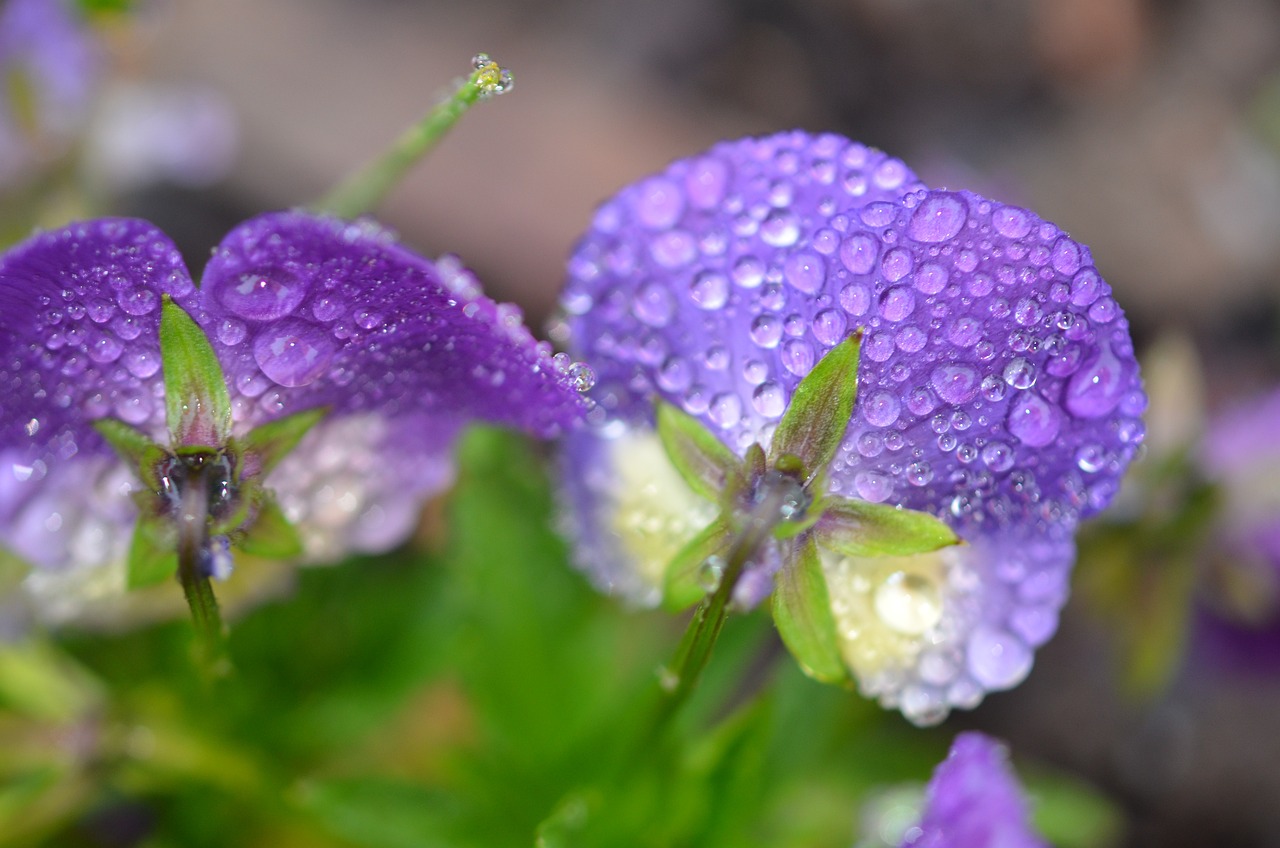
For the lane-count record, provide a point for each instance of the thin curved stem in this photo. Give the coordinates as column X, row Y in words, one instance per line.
column 193, row 542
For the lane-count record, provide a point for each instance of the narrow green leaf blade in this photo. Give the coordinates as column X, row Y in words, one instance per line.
column 813, row 426
column 270, row 535
column 802, row 614
column 858, row 528
column 271, row 442
column 133, row 446
column 153, row 553
column 685, row 583
column 704, row 461
column 197, row 404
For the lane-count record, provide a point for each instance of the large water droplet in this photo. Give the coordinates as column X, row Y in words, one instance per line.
column 658, row 203
column 896, row 264
column 725, row 409
column 780, row 228
column 748, row 272
column 998, row 456
column 294, row 353
column 1020, row 373
column 262, row 295
column 769, row 399
column 873, row 486
column 1033, row 420
column 881, row 409
column 830, row 326
column 798, row 357
column 1097, row 388
column 938, row 218
column 965, row 331
column 706, row 182
column 908, row 603
column 766, row 330
column 805, row 271
column 859, row 253
column 138, row 301
column 709, row 290
column 955, row 383
column 653, row 304
column 897, row 303
column 996, row 658
column 931, row 278
column 1011, row 222
column 855, row 299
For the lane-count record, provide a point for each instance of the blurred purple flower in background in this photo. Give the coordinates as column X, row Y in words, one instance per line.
column 973, row 801
column 303, row 312
column 49, row 63
column 997, row 390
column 1239, row 623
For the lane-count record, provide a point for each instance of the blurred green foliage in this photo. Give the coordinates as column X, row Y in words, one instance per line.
column 479, row 695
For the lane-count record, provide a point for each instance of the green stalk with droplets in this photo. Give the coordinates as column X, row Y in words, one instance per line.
column 366, row 188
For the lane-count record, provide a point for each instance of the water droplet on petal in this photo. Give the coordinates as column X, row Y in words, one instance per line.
column 908, row 603
column 748, row 272
column 998, row 456
column 873, row 486
column 1098, row 387
column 955, row 383
column 658, row 203
column 262, row 295
column 710, row 290
column 294, row 353
column 1020, row 373
column 725, row 409
column 769, row 399
column 881, row 409
column 830, row 326
column 859, row 253
column 798, row 357
column 938, row 218
column 706, row 182
column 766, row 330
column 1033, row 420
column 653, row 304
column 780, row 228
column 996, row 658
column 805, row 271
column 1011, row 222
column 897, row 303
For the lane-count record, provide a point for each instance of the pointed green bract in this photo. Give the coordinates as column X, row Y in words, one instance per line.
column 859, row 528
column 153, row 553
column 135, row 447
column 197, row 404
column 816, row 418
column 704, row 461
column 802, row 614
column 686, row 580
column 269, row 443
column 270, row 534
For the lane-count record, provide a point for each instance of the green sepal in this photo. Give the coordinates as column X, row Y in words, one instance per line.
column 153, row 553
column 265, row 445
column 802, row 614
column 197, row 404
column 858, row 528
column 684, row 584
column 705, row 463
column 270, row 535
column 815, row 421
column 791, row 528
column 135, row 447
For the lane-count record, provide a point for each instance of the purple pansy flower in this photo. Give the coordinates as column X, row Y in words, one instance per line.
column 303, row 312
column 48, row 61
column 1240, row 627
column 997, row 390
column 973, row 801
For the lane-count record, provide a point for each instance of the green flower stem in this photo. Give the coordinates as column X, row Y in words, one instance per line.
column 680, row 677
column 364, row 189
column 193, row 541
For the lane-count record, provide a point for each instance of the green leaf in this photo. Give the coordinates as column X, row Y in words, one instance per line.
column 153, row 553
column 685, row 582
column 197, row 404
column 270, row 535
column 705, row 463
column 269, row 443
column 858, row 528
column 135, row 447
column 802, row 614
column 813, row 426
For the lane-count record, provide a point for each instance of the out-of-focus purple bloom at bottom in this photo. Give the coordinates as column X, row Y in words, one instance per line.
column 973, row 801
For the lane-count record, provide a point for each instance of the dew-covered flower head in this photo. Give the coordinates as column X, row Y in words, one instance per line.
column 997, row 390
column 304, row 313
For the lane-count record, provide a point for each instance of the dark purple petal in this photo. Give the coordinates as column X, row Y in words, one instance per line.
column 310, row 311
column 80, row 311
column 974, row 801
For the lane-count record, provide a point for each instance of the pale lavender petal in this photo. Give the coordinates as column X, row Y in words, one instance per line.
column 974, row 801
